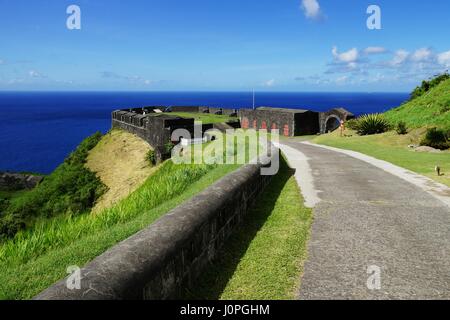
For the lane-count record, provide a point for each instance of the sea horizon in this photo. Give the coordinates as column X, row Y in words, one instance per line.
column 203, row 91
column 43, row 127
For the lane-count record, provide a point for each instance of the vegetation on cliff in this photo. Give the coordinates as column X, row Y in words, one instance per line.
column 431, row 108
column 428, row 85
column 39, row 257
column 70, row 189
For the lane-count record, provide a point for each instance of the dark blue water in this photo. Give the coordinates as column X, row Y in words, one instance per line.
column 38, row 130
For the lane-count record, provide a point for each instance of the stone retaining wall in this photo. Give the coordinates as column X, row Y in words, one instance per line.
column 168, row 256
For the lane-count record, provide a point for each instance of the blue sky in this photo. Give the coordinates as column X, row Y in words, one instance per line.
column 230, row 45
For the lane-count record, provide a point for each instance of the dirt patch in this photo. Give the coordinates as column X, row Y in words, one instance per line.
column 119, row 161
column 427, row 149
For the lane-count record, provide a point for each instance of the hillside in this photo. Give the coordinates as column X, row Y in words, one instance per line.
column 430, row 109
column 38, row 256
column 119, row 161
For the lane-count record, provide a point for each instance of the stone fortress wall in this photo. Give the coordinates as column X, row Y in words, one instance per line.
column 166, row 258
column 156, row 124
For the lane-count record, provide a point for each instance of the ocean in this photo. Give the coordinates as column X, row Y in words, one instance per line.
column 38, row 130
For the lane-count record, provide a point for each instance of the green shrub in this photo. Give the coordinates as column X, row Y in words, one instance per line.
column 445, row 108
column 372, row 124
column 352, row 124
column 151, row 157
column 4, row 203
column 168, row 147
column 70, row 189
column 436, row 138
column 165, row 152
column 401, row 128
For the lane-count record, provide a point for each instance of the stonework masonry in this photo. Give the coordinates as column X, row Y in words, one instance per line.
column 155, row 124
column 290, row 122
column 293, row 122
column 155, row 128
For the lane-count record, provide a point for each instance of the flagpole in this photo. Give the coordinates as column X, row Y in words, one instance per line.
column 253, row 99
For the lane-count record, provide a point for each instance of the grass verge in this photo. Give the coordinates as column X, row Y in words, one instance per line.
column 393, row 148
column 264, row 258
column 206, row 118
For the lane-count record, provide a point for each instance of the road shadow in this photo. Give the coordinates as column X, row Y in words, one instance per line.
column 217, row 275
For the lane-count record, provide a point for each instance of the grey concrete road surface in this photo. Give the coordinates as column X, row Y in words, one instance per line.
column 374, row 236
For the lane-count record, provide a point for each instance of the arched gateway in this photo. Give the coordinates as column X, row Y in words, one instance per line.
column 331, row 120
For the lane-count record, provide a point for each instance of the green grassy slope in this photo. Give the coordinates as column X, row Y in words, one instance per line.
column 34, row 260
column 431, row 109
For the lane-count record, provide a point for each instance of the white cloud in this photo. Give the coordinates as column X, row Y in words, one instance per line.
column 269, row 83
column 444, row 58
column 352, row 65
column 423, row 54
column 350, row 56
column 356, row 65
column 36, row 74
column 375, row 50
column 342, row 80
column 311, row 8
column 400, row 57
column 133, row 79
column 421, row 59
column 16, row 81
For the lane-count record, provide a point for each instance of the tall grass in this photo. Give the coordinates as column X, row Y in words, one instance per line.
column 46, row 235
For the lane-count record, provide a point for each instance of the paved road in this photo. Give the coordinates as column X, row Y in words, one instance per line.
column 368, row 217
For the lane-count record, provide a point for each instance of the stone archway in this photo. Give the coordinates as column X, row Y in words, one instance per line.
column 332, row 123
column 331, row 120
